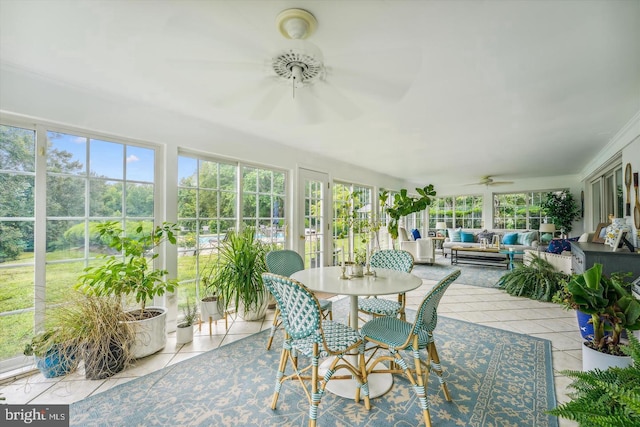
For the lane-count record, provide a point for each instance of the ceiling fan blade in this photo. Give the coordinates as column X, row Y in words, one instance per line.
column 335, row 100
column 382, row 75
column 269, row 102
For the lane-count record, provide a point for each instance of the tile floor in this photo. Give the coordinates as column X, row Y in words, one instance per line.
column 485, row 306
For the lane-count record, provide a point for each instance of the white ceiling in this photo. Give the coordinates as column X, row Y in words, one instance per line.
column 513, row 89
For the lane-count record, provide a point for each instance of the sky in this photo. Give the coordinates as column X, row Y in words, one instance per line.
column 107, row 159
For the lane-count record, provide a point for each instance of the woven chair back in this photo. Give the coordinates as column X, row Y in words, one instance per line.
column 299, row 308
column 393, row 260
column 284, row 262
column 427, row 315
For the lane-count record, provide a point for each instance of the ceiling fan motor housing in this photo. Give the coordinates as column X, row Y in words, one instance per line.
column 300, row 62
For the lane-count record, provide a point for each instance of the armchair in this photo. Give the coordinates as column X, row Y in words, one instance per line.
column 423, row 249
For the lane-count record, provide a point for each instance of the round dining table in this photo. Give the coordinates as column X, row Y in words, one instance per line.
column 382, row 282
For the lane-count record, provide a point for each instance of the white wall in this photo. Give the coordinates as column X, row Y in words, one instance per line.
column 37, row 97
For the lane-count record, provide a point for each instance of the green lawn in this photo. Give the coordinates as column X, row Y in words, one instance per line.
column 17, row 293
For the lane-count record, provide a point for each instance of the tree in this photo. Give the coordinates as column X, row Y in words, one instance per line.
column 562, row 210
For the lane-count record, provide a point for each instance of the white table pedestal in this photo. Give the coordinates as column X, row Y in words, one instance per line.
column 379, row 384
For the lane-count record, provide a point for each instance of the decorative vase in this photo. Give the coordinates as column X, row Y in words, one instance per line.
column 592, row 359
column 617, row 226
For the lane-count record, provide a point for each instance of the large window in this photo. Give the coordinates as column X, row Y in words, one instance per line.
column 607, row 195
column 457, row 211
column 17, row 221
column 518, row 211
column 352, row 216
column 263, row 203
column 84, row 180
column 208, row 208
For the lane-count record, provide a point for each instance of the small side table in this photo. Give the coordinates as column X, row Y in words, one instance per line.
column 438, row 242
column 511, row 256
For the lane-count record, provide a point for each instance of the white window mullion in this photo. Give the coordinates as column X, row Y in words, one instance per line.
column 40, row 228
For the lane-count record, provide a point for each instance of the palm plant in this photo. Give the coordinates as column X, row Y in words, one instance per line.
column 238, row 278
column 609, row 398
column 539, row 280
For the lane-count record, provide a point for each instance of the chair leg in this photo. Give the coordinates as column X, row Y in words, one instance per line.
column 274, row 327
column 437, row 368
column 279, row 376
column 421, row 386
column 315, row 397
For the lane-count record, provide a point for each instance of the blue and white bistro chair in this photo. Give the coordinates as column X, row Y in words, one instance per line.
column 307, row 334
column 391, row 336
column 285, row 262
column 394, row 260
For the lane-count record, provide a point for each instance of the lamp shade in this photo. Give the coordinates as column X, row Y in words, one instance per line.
column 547, row 228
column 441, row 225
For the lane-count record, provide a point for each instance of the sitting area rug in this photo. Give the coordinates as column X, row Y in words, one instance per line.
column 496, row 378
column 476, row 275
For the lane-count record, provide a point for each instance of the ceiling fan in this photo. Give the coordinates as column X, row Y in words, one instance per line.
column 487, row 181
column 293, row 81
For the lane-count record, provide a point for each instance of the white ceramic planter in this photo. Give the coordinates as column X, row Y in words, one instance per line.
column 184, row 334
column 257, row 314
column 151, row 334
column 209, row 309
column 592, row 359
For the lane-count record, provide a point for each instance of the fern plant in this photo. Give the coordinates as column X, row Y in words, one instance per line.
column 539, row 280
column 609, row 398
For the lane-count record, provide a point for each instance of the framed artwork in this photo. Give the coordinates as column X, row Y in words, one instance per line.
column 601, row 233
column 618, row 241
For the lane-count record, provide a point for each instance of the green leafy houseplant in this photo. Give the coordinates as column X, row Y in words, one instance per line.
column 238, row 277
column 539, row 280
column 404, row 205
column 606, row 398
column 132, row 273
column 610, row 303
column 562, row 209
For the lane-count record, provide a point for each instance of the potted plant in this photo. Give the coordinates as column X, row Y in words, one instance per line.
column 54, row 355
column 130, row 273
column 184, row 330
column 539, row 280
column 562, row 209
column 404, row 205
column 97, row 323
column 605, row 397
column 237, row 280
column 612, row 307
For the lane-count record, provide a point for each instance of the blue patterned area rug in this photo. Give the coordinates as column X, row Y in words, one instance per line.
column 496, row 378
column 476, row 275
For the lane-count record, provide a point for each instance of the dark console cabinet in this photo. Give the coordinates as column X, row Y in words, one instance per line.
column 584, row 255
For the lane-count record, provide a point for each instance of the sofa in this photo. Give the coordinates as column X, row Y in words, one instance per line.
column 423, row 249
column 519, row 240
column 557, row 253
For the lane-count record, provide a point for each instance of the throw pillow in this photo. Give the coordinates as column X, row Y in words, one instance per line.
column 510, row 239
column 415, row 233
column 527, row 238
column 466, row 237
column 557, row 246
column 454, row 234
column 584, row 238
column 486, row 235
